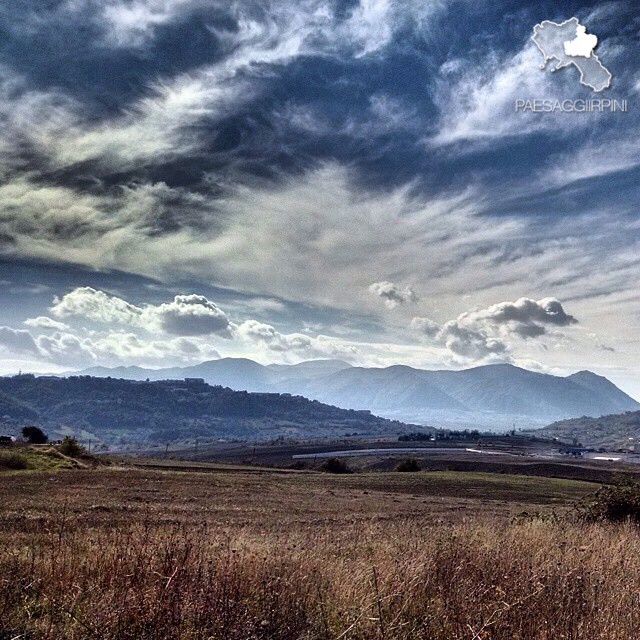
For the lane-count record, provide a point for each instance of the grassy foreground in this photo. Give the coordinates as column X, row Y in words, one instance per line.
column 158, row 555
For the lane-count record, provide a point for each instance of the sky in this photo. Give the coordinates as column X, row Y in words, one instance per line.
column 182, row 180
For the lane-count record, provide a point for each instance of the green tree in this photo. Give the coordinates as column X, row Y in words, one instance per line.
column 335, row 465
column 34, row 435
column 71, row 447
column 410, row 464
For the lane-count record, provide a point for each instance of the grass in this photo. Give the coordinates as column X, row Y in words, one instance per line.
column 148, row 554
column 42, row 458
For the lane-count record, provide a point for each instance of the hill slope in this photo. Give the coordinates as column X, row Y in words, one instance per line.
column 618, row 431
column 490, row 396
column 124, row 411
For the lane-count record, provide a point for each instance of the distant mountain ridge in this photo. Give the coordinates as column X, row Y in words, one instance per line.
column 492, row 396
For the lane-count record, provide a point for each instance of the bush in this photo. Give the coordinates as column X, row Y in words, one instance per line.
column 71, row 447
column 613, row 504
column 335, row 465
column 12, row 461
column 410, row 464
column 34, row 435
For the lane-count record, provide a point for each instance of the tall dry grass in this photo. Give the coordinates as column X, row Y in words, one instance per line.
column 363, row 581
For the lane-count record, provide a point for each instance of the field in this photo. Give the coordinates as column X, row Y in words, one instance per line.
column 237, row 553
column 521, row 455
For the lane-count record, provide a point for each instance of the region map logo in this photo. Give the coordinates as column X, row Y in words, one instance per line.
column 570, row 44
column 567, row 44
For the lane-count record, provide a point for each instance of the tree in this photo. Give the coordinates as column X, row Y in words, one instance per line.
column 335, row 465
column 617, row 503
column 71, row 447
column 34, row 435
column 410, row 464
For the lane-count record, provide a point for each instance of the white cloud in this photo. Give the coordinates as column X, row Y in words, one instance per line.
column 66, row 348
column 477, row 106
column 292, row 345
column 17, row 341
column 190, row 315
column 469, row 343
column 369, row 27
column 392, row 294
column 98, row 306
column 186, row 315
column 425, row 327
column 591, row 161
column 44, row 322
column 132, row 24
column 122, row 346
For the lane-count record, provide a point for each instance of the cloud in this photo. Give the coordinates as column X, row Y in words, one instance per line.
column 122, row 346
column 367, row 28
column 392, row 294
column 482, row 333
column 66, row 348
column 591, row 160
column 133, row 24
column 186, row 315
column 425, row 327
column 296, row 345
column 18, row 341
column 470, row 343
column 525, row 318
column 97, row 306
column 208, row 160
column 477, row 104
column 44, row 322
column 190, row 315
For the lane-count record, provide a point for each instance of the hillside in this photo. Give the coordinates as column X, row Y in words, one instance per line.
column 618, row 431
column 491, row 396
column 116, row 411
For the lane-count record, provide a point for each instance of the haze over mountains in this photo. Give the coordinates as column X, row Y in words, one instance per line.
column 492, row 396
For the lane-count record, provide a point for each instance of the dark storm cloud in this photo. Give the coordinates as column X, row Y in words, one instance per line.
column 483, row 333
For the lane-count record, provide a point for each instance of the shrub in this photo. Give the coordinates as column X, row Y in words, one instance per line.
column 12, row 461
column 410, row 464
column 34, row 435
column 335, row 465
column 71, row 447
column 613, row 504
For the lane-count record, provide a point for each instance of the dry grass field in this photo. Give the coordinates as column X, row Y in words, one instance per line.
column 249, row 554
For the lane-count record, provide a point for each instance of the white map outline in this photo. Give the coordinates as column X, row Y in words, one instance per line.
column 561, row 63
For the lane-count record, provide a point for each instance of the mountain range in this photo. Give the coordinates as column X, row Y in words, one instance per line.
column 492, row 396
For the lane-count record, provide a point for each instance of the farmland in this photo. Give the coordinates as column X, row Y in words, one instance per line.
column 237, row 552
